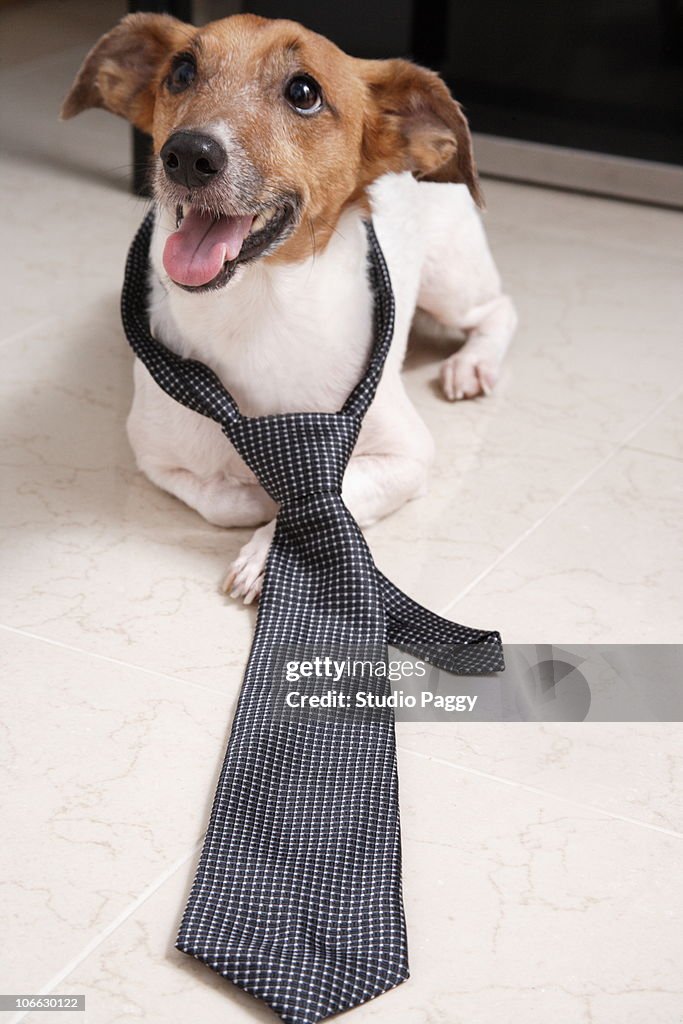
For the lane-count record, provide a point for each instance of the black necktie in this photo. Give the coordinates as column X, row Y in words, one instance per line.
column 297, row 897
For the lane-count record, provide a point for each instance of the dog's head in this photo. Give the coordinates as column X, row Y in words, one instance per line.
column 265, row 132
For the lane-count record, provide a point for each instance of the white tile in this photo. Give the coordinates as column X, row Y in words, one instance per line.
column 68, row 255
column 664, row 434
column 519, row 908
column 630, row 226
column 630, row 769
column 598, row 345
column 94, row 146
column 108, row 777
column 605, row 568
column 67, row 232
column 496, row 474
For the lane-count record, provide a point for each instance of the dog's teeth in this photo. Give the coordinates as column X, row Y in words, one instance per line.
column 262, row 219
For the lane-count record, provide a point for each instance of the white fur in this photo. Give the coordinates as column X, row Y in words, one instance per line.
column 296, row 337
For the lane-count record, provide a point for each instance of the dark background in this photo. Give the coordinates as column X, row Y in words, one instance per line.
column 600, row 75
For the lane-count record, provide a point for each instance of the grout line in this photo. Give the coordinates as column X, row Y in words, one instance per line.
column 35, row 326
column 619, row 447
column 131, row 666
column 154, row 886
column 112, row 926
column 538, row 791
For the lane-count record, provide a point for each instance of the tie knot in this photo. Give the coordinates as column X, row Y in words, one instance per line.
column 296, row 454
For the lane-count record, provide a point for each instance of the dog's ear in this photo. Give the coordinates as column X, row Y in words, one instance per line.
column 122, row 69
column 414, row 124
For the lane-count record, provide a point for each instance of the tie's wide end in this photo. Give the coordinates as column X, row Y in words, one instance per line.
column 302, row 989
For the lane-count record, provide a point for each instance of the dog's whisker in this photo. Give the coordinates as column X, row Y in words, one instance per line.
column 312, row 232
column 334, row 230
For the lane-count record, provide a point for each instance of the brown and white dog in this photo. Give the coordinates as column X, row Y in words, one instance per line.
column 271, row 147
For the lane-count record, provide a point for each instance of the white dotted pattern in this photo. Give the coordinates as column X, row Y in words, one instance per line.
column 297, row 896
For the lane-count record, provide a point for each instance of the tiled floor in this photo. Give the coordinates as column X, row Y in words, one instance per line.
column 542, row 862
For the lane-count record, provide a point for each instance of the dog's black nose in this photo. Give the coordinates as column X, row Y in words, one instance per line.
column 192, row 159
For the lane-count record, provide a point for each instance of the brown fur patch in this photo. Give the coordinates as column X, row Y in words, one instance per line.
column 413, row 123
column 122, row 72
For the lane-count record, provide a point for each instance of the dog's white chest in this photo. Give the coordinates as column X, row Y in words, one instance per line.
column 282, row 338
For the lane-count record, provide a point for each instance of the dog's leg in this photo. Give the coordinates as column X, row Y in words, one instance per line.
column 376, row 485
column 245, row 575
column 461, row 292
column 228, row 503
column 392, row 458
column 225, row 502
column 473, row 370
column 220, row 500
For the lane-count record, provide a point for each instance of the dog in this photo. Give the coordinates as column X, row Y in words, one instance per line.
column 271, row 149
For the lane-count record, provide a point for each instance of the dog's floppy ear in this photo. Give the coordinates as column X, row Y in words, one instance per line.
column 414, row 124
column 122, row 69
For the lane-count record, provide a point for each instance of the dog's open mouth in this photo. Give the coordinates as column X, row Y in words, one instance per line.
column 206, row 248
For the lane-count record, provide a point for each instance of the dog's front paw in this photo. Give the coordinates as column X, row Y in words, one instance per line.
column 245, row 576
column 468, row 374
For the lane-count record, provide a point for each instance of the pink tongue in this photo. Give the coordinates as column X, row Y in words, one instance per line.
column 196, row 252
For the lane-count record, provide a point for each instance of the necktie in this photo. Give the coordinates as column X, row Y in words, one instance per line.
column 297, row 896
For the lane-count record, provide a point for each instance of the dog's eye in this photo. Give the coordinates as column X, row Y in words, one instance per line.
column 304, row 94
column 182, row 74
